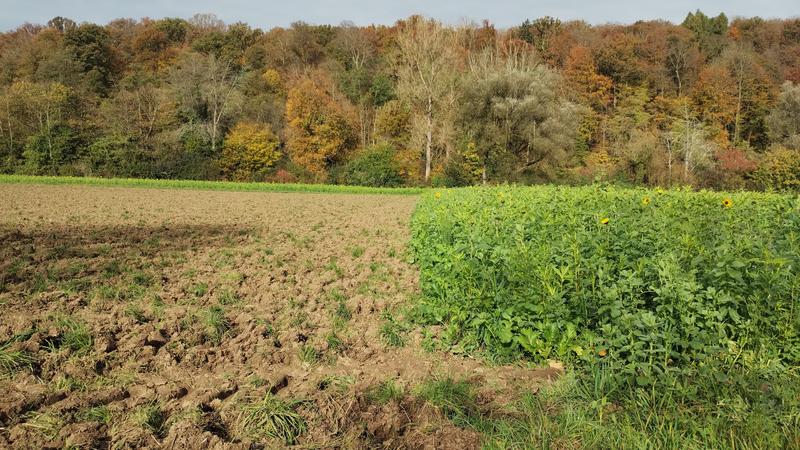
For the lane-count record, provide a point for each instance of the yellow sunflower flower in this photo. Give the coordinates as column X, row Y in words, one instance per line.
column 646, row 201
column 604, row 221
column 438, row 195
column 727, row 203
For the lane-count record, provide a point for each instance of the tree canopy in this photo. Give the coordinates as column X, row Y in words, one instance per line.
column 711, row 102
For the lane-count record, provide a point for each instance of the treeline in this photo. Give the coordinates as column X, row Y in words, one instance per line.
column 710, row 102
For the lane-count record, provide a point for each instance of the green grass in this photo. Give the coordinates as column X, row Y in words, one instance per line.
column 572, row 413
column 199, row 289
column 217, row 324
column 150, row 417
column 205, row 185
column 46, row 424
column 335, row 343
column 308, row 354
column 12, row 361
column 455, row 399
column 74, row 335
column 338, row 384
column 273, row 418
column 136, row 313
column 228, row 296
column 386, row 391
column 67, row 383
column 357, row 251
column 100, row 414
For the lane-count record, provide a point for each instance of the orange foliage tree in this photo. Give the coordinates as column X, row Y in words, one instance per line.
column 318, row 130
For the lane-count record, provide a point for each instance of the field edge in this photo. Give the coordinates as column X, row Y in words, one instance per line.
column 206, row 185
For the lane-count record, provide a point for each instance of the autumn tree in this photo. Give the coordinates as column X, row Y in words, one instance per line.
column 714, row 100
column 318, row 130
column 539, row 33
column 692, row 140
column 616, row 57
column 42, row 111
column 784, row 119
column 393, row 124
column 779, row 170
column 590, row 88
column 682, row 59
column 249, row 150
column 157, row 97
column 61, row 24
column 355, row 51
column 753, row 92
column 206, row 90
column 140, row 109
column 150, row 47
column 424, row 67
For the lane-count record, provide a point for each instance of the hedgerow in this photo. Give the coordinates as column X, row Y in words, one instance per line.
column 662, row 287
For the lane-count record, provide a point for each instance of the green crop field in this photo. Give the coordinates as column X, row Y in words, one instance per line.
column 678, row 308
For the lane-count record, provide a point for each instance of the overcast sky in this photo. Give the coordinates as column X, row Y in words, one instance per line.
column 270, row 13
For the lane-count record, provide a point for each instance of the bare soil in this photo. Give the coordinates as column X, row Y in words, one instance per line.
column 197, row 302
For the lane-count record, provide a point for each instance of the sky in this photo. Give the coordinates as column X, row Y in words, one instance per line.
column 269, row 13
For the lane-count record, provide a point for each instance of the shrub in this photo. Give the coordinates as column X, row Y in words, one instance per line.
column 375, row 166
column 249, row 150
column 779, row 170
column 46, row 152
column 662, row 285
column 283, row 176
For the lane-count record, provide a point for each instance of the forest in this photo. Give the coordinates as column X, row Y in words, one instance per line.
column 712, row 102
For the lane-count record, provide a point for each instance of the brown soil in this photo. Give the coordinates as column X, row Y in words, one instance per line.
column 144, row 269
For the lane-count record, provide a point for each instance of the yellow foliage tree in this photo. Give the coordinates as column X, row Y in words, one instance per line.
column 249, row 148
column 273, row 80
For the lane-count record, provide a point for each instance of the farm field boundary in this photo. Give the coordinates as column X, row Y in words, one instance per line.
column 205, row 185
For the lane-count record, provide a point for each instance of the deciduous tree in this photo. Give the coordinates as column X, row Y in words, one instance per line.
column 249, row 149
column 318, row 130
column 424, row 65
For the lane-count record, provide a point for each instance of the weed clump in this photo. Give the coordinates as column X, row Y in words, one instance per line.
column 386, row 391
column 393, row 332
column 12, row 361
column 150, row 417
column 73, row 335
column 217, row 324
column 273, row 418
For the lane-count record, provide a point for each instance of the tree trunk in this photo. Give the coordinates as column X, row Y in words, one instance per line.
column 429, row 140
column 213, row 136
column 10, row 130
column 669, row 163
column 687, row 153
column 738, row 113
column 49, row 127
